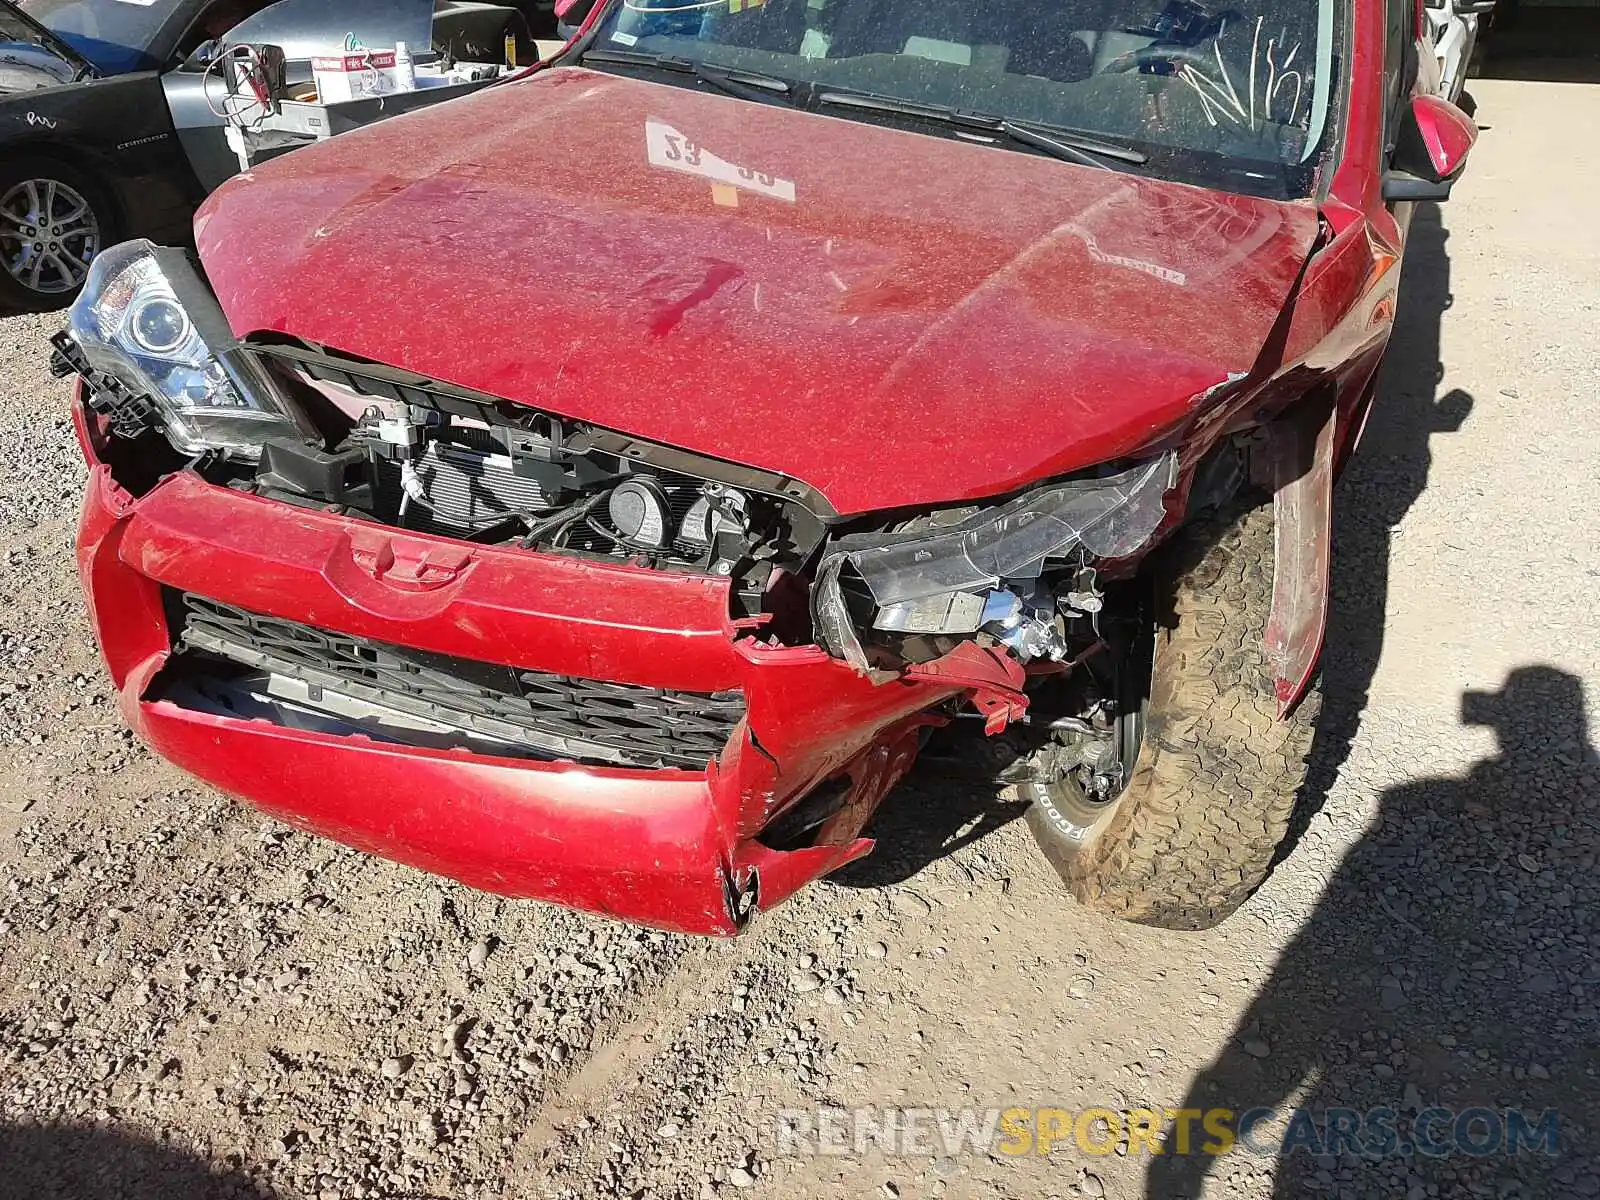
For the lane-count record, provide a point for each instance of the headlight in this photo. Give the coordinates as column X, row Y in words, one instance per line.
column 940, row 579
column 146, row 319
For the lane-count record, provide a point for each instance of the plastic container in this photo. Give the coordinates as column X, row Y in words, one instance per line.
column 405, row 75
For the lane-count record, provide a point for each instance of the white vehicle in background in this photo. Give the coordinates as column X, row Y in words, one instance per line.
column 1453, row 30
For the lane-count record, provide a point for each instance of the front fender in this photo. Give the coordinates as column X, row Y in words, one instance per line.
column 1300, row 450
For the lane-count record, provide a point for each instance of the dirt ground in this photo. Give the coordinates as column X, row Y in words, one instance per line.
column 197, row 1001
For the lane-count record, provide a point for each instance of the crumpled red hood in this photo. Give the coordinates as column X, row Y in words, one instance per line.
column 893, row 318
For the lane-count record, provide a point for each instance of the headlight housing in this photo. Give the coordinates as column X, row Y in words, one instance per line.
column 942, row 578
column 146, row 320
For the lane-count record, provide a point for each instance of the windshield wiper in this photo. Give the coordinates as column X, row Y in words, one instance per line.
column 1072, row 145
column 747, row 85
column 1069, row 144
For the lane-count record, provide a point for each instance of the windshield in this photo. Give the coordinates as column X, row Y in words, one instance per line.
column 25, row 61
column 1248, row 82
column 114, row 35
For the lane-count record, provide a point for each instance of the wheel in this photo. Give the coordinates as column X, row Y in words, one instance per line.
column 1216, row 774
column 54, row 219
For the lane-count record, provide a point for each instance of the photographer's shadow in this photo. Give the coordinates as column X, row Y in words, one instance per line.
column 1450, row 963
column 62, row 1162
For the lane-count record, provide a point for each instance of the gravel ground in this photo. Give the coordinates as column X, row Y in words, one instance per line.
column 197, row 1001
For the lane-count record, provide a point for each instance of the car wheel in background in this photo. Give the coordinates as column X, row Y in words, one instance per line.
column 54, row 219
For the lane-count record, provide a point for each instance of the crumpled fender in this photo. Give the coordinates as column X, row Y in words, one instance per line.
column 1300, row 451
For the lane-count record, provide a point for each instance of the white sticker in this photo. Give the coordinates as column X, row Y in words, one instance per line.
column 138, row 3
column 672, row 150
column 627, row 39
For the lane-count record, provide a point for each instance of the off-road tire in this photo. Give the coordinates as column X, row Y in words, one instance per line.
column 1211, row 794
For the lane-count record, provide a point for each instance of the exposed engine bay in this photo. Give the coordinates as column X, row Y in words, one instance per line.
column 431, row 459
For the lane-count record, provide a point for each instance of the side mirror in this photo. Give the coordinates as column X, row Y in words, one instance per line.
column 1430, row 151
column 1473, row 6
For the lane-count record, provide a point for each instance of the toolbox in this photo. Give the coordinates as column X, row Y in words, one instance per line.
column 256, row 132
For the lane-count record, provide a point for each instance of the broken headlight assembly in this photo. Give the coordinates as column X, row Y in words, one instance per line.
column 151, row 340
column 981, row 569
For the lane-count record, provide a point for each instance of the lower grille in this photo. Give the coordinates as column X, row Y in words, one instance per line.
column 521, row 712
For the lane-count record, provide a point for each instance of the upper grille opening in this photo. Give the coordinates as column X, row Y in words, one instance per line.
column 253, row 665
column 471, row 482
column 429, row 456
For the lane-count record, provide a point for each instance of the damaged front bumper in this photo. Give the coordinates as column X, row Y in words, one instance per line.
column 672, row 847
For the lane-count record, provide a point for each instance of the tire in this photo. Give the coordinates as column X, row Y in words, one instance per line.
column 1210, row 797
column 62, row 260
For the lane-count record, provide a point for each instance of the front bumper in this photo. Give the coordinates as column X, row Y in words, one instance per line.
column 676, row 849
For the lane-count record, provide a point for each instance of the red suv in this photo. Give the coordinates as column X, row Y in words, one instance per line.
column 598, row 489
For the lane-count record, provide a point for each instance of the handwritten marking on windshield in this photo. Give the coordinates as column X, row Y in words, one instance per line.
column 36, row 119
column 1219, row 97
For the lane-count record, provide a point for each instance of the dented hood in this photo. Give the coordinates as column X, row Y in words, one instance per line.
column 893, row 318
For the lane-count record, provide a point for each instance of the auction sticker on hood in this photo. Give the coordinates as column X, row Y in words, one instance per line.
column 672, row 150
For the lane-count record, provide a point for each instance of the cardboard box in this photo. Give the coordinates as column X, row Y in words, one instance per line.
column 354, row 75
